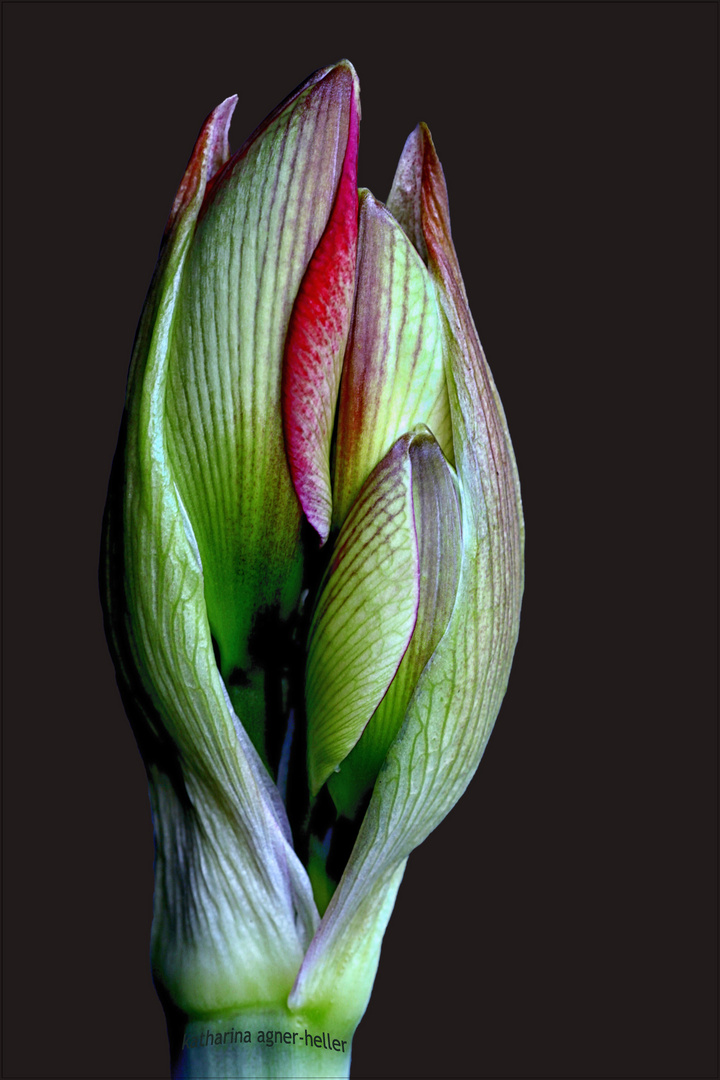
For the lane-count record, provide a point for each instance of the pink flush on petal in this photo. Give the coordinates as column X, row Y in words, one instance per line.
column 317, row 334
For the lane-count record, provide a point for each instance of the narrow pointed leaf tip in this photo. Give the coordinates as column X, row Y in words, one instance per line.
column 404, row 199
column 319, row 329
column 211, row 152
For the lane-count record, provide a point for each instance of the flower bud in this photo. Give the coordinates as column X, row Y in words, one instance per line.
column 384, row 607
column 305, row 357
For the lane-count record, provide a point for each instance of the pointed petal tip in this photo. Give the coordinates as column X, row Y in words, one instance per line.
column 404, row 200
column 345, row 76
column 228, row 103
column 221, row 117
column 345, row 67
column 210, row 154
column 420, row 139
column 342, row 70
column 319, row 327
column 224, row 111
column 419, row 149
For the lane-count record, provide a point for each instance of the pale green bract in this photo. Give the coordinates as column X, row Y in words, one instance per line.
column 237, row 635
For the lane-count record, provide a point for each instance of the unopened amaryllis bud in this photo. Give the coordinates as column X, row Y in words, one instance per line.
column 311, row 573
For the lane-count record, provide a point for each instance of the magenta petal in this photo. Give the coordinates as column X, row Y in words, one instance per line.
column 316, row 341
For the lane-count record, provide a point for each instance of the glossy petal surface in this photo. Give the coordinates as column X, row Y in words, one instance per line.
column 451, row 713
column 315, row 346
column 436, row 514
column 365, row 614
column 393, row 375
column 224, row 859
column 259, row 228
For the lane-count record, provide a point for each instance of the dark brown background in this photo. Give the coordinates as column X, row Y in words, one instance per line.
column 561, row 922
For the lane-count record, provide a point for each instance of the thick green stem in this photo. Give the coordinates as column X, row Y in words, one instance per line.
column 261, row 1043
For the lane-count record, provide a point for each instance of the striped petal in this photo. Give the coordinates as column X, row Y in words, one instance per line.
column 315, row 345
column 436, row 515
column 224, row 858
column 365, row 614
column 393, row 375
column 458, row 696
column 260, row 227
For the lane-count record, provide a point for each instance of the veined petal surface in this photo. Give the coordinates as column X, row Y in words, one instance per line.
column 260, row 226
column 452, row 711
column 224, row 860
column 365, row 614
column 393, row 375
column 316, row 342
column 436, row 515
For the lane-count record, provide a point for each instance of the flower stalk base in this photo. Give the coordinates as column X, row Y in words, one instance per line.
column 261, row 1044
